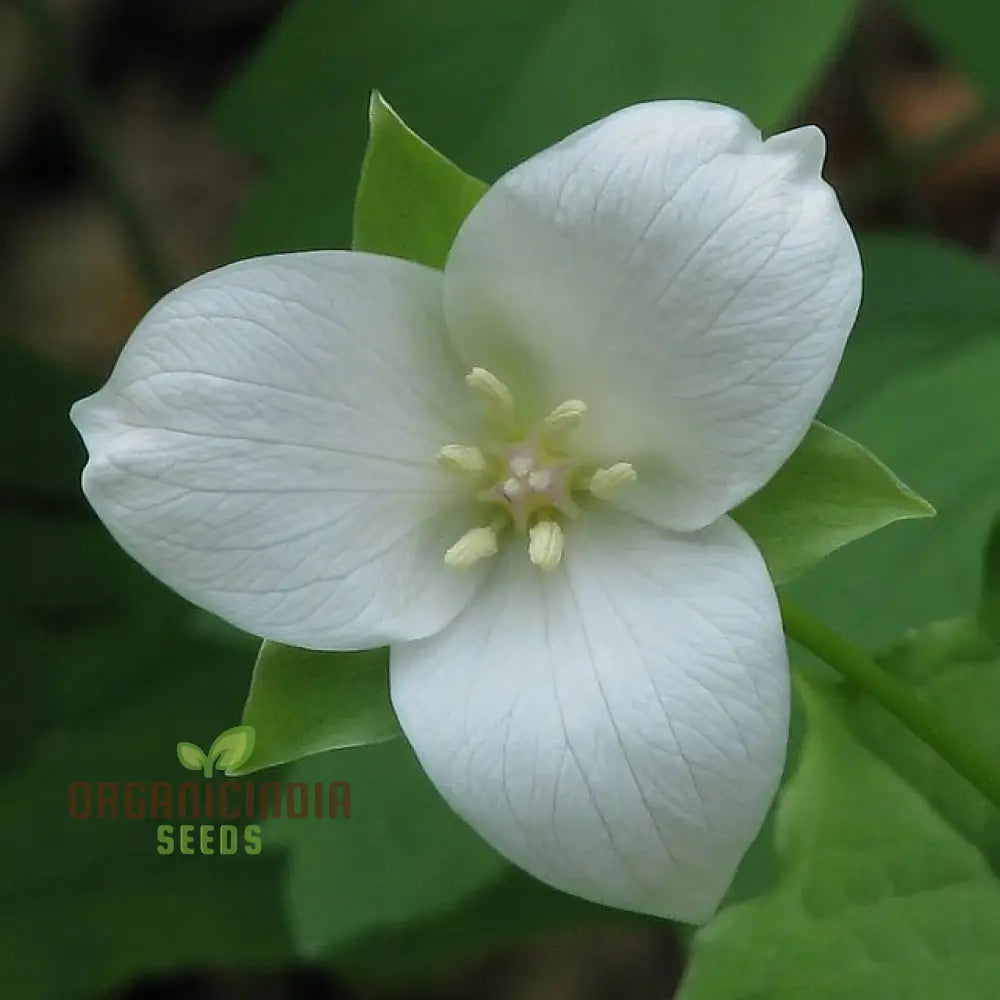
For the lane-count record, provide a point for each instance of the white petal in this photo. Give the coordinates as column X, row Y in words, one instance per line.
column 266, row 446
column 693, row 285
column 616, row 727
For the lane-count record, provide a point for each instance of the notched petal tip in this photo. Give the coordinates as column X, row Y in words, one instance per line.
column 82, row 414
column 805, row 147
column 95, row 421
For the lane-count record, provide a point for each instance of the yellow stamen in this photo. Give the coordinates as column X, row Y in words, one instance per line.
column 479, row 543
column 604, row 483
column 565, row 416
column 545, row 545
column 462, row 458
column 492, row 390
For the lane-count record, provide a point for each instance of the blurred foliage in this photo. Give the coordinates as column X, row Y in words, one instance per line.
column 402, row 855
column 967, row 31
column 107, row 671
column 932, row 415
column 490, row 83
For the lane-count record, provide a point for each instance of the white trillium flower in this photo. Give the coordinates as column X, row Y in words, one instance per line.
column 516, row 473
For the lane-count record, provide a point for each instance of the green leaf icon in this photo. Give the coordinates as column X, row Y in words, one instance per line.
column 191, row 756
column 233, row 747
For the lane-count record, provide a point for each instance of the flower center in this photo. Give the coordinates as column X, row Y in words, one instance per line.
column 530, row 477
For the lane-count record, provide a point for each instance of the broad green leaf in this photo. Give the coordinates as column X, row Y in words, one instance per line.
column 967, row 32
column 491, row 83
column 878, row 896
column 953, row 665
column 918, row 387
column 402, row 855
column 191, row 756
column 830, row 492
column 411, row 200
column 936, row 424
column 303, row 702
column 760, row 57
column 924, row 300
column 231, row 748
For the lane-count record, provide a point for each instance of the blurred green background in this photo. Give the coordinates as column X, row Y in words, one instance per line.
column 144, row 141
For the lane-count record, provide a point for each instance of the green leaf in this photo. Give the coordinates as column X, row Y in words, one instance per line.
column 761, row 58
column 411, row 200
column 303, row 702
column 191, row 756
column 967, row 31
column 401, row 855
column 491, row 83
column 953, row 665
column 231, row 748
column 918, row 386
column 924, row 301
column 936, row 423
column 989, row 605
column 878, row 896
column 830, row 492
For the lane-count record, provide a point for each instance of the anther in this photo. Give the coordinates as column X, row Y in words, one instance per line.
column 492, row 390
column 462, row 458
column 604, row 483
column 474, row 545
column 565, row 416
column 545, row 545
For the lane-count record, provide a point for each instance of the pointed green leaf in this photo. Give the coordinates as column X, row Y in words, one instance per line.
column 191, row 756
column 303, row 702
column 233, row 747
column 411, row 200
column 830, row 492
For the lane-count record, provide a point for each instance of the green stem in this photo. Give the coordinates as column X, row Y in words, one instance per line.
column 83, row 118
column 858, row 667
